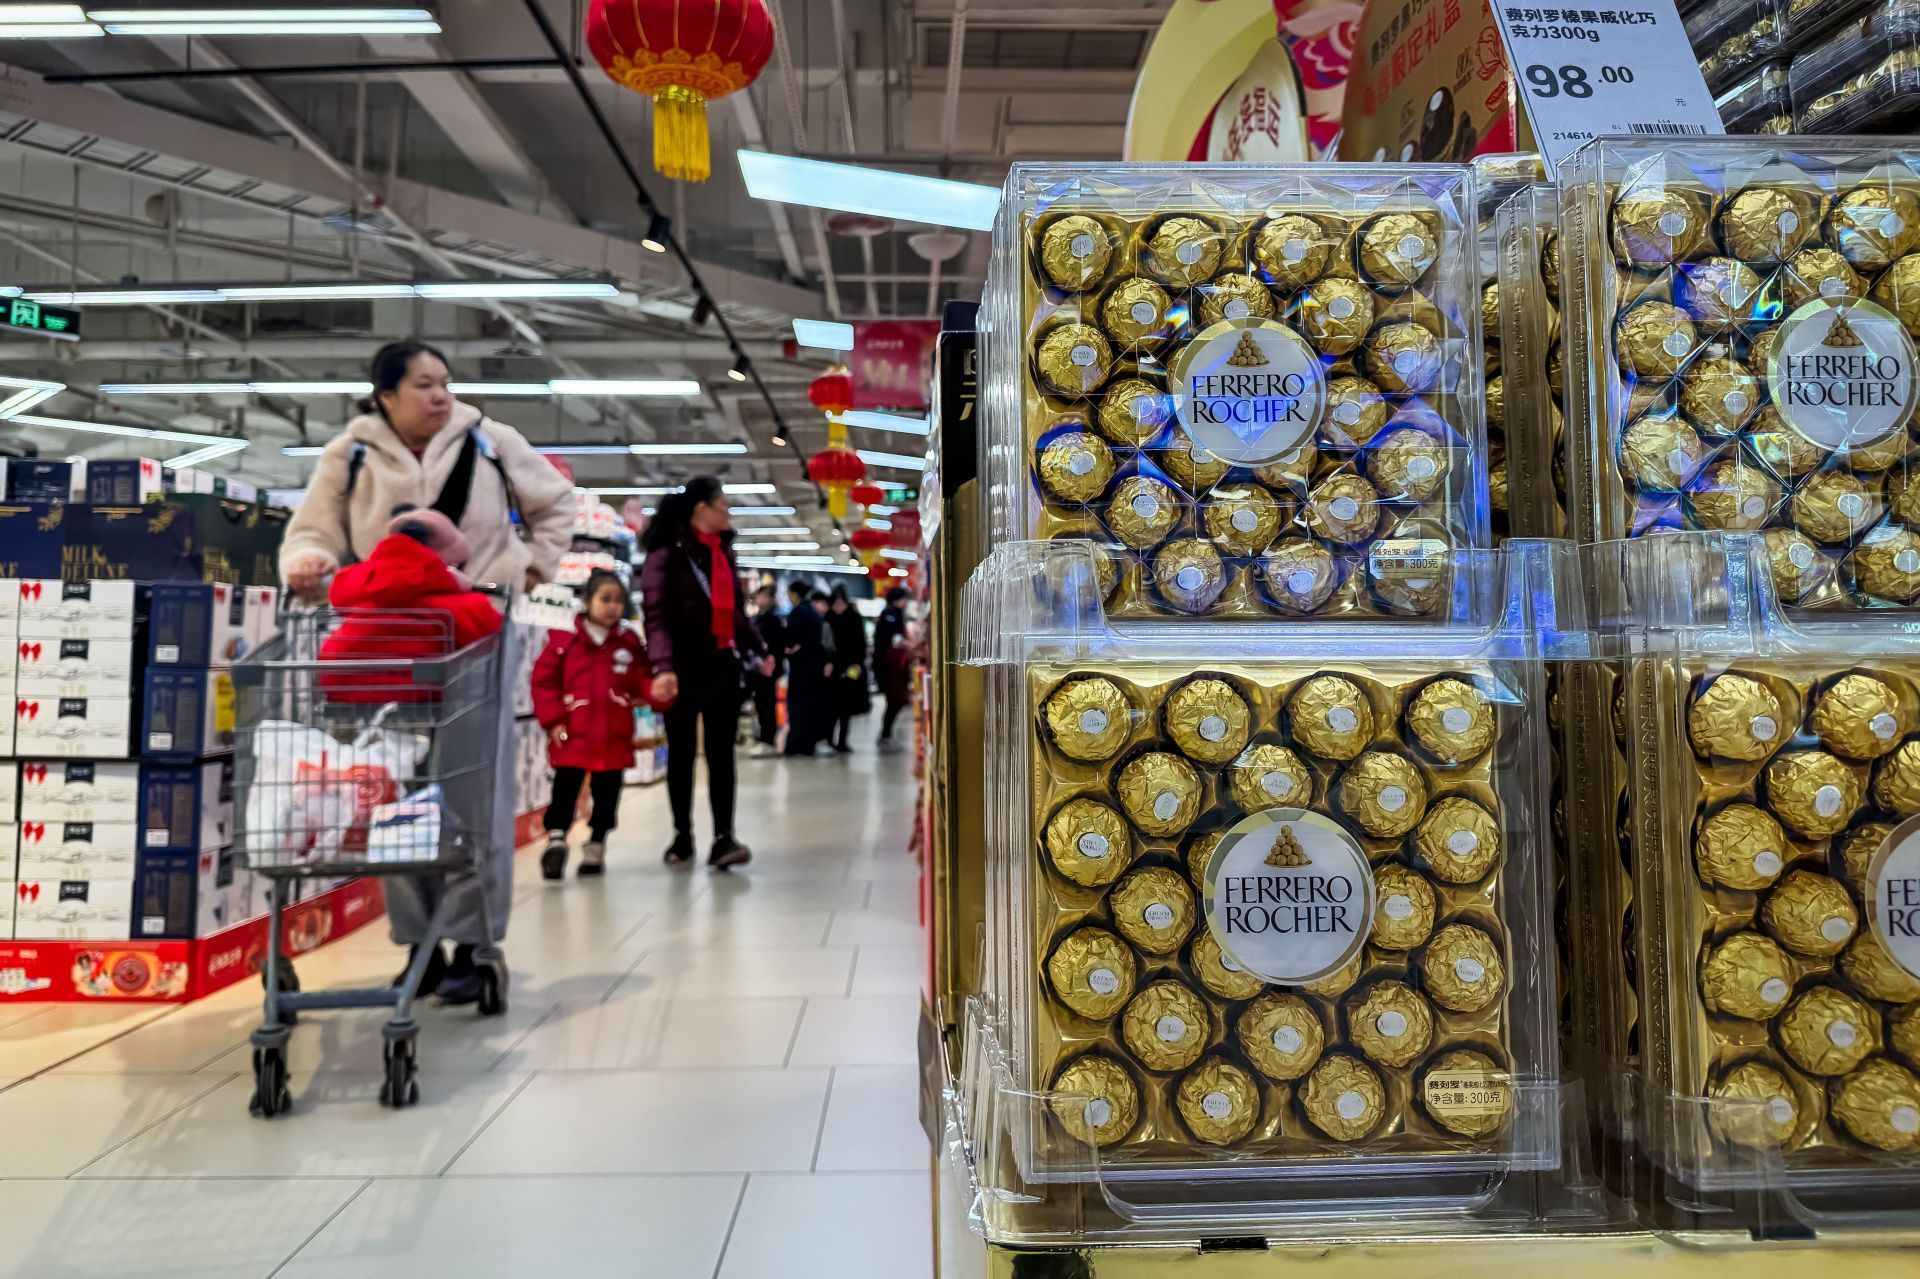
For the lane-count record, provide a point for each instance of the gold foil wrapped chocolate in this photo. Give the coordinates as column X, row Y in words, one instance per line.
column 1410, row 569
column 1480, row 1107
column 1873, row 224
column 1451, row 720
column 1903, row 1033
column 1133, row 412
column 1903, row 493
column 1075, row 467
column 1088, row 842
column 1292, row 250
column 1879, row 1104
column 1408, row 465
column 1344, row 508
column 1655, row 227
column 1383, row 793
column 1810, row 914
column 1886, row 564
column 1073, row 359
column 1200, row 851
column 1098, row 1102
column 1281, row 1035
column 1741, row 847
column 1153, row 908
column 1718, row 393
column 1756, row 1106
column 1812, row 792
column 1183, row 250
column 1335, row 313
column 1339, row 981
column 1496, row 401
column 1142, row 511
column 1403, row 907
column 1853, row 852
column 1875, row 974
column 1403, row 358
column 1735, row 495
column 1785, row 451
column 1550, row 263
column 1343, row 1097
column 1898, row 289
column 1092, row 972
column 1194, row 467
column 1736, row 717
column 1234, row 296
column 1655, row 339
column 1765, row 225
column 1826, row 1031
column 1860, row 717
column 1660, row 452
column 1218, row 1101
column 1896, row 781
column 1397, row 249
column 1331, row 716
column 1160, row 793
column 1242, row 520
column 1137, row 315
column 1717, row 293
column 1189, row 574
column 1290, row 472
column 1217, row 971
column 1088, row 718
column 1389, row 1023
column 1075, row 252
column 1458, row 839
column 1798, row 566
column 1356, row 411
column 1819, row 272
column 1490, row 315
column 1299, row 575
column 1269, row 776
column 1461, row 969
column 1208, row 719
column 1748, row 976
column 1166, row 1026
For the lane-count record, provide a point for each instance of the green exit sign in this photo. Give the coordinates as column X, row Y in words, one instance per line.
column 23, row 315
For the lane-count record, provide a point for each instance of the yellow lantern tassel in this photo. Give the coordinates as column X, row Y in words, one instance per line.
column 680, row 146
column 837, row 502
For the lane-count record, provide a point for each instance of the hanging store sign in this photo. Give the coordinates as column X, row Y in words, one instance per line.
column 892, row 363
column 22, row 315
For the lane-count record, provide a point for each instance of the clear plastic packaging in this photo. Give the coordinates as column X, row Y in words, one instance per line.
column 1263, row 903
column 1729, row 36
column 1528, row 407
column 1864, row 75
column 1255, row 388
column 1807, row 19
column 1761, row 103
column 1743, row 311
column 1497, row 178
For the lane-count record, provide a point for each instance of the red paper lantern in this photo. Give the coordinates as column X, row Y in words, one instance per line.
column 683, row 54
column 880, row 573
column 867, row 543
column 836, row 470
column 832, row 391
column 905, row 530
column 867, row 494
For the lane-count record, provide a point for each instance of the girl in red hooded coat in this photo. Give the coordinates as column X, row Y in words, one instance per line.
column 585, row 687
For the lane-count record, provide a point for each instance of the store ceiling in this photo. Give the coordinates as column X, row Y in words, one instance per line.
column 500, row 172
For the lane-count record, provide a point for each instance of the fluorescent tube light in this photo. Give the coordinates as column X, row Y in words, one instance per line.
column 747, row 548
column 48, row 30
column 824, row 335
column 885, row 422
column 788, row 530
column 718, row 449
column 579, row 450
column 176, row 388
column 114, row 428
column 287, row 22
column 311, row 388
column 163, row 30
column 40, row 14
column 315, row 292
column 901, row 460
column 518, row 289
column 530, row 389
column 883, row 525
column 127, row 297
column 882, row 510
column 452, row 290
column 384, row 13
column 882, row 192
column 895, row 553
column 763, row 510
column 302, row 450
column 745, row 489
column 27, row 392
column 207, row 454
column 661, row 490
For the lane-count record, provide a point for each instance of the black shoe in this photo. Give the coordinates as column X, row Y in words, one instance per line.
column 841, row 748
column 553, row 862
column 435, row 974
column 593, row 858
column 461, row 985
column 728, row 852
column 680, row 851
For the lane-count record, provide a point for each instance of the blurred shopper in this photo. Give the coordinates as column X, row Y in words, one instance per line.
column 701, row 645
column 585, row 687
column 850, row 674
column 415, row 445
column 810, row 707
column 765, row 684
column 893, row 662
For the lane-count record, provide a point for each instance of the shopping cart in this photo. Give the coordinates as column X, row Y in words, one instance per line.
column 378, row 764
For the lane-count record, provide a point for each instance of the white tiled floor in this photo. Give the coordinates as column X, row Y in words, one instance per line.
column 699, row 1077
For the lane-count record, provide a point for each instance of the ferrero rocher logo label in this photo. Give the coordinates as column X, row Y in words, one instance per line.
column 1893, row 896
column 1289, row 896
column 1841, row 373
column 1249, row 390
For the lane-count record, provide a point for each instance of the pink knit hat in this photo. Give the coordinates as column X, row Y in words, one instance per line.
column 434, row 531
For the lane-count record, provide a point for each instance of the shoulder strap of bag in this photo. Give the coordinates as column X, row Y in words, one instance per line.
column 356, row 458
column 478, row 442
column 458, row 487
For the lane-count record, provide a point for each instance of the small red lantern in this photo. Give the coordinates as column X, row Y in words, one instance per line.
column 880, row 572
column 682, row 54
column 905, row 529
column 836, row 470
column 867, row 494
column 832, row 391
column 867, row 543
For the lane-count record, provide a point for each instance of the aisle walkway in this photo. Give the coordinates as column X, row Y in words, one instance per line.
column 698, row 1076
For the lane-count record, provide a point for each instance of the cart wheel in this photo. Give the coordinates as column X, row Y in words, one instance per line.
column 270, row 1094
column 289, row 983
column 399, row 1088
column 493, row 989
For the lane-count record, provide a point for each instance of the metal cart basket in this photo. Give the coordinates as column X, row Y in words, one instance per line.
column 380, row 763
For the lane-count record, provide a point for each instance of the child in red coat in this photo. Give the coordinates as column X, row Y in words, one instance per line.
column 585, row 687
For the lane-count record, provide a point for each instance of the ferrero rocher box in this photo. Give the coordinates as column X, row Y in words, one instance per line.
column 1524, row 421
column 1256, row 389
column 1775, row 764
column 1268, row 906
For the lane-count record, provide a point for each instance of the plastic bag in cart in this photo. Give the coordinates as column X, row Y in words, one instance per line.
column 407, row 831
column 312, row 796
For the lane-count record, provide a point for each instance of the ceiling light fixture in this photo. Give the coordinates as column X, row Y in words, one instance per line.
column 207, row 454
column 779, row 438
column 894, row 553
column 454, row 290
column 720, row 449
column 882, row 510
column 702, row 311
column 114, row 428
column 246, row 22
column 624, row 386
column 661, row 490
column 27, row 392
column 885, row 422
column 823, row 335
column 738, row 372
column 302, row 450
column 45, row 22
column 783, row 530
column 903, row 461
column 748, row 548
column 659, row 231
column 579, row 450
column 762, row 510
column 881, row 192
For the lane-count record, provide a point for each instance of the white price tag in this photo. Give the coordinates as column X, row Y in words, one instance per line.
column 1623, row 69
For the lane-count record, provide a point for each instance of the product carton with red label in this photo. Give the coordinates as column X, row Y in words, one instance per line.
column 75, row 727
column 79, row 790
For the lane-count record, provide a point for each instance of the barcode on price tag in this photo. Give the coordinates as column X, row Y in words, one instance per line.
column 1589, row 73
column 1468, row 1092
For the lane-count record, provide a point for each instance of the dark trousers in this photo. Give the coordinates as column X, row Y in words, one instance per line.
column 716, row 708
column 605, row 788
column 893, row 712
column 766, row 708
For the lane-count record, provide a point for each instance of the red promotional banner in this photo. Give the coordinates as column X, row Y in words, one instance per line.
column 892, row 363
